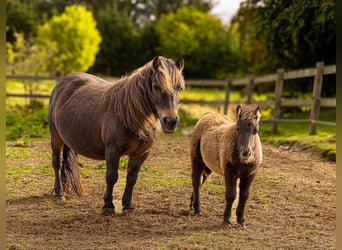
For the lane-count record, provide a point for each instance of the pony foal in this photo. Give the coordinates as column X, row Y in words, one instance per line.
column 231, row 149
column 103, row 121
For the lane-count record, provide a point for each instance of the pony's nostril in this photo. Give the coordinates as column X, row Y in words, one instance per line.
column 169, row 121
column 245, row 152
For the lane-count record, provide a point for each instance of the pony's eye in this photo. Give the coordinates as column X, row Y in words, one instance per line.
column 155, row 87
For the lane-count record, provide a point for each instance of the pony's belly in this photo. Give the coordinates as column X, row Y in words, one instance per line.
column 90, row 150
column 210, row 153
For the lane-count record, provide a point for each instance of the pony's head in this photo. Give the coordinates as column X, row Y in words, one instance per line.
column 247, row 127
column 166, row 83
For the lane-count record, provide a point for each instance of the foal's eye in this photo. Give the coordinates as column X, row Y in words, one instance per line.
column 155, row 87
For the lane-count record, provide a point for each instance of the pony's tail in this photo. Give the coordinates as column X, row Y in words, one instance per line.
column 71, row 172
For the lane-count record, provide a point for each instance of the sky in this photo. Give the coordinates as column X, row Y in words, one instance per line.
column 226, row 9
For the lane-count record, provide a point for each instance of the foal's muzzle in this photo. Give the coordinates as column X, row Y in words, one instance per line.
column 169, row 124
column 245, row 153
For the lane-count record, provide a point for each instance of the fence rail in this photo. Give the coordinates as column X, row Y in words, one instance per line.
column 250, row 82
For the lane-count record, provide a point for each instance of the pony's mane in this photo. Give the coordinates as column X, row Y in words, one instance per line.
column 131, row 96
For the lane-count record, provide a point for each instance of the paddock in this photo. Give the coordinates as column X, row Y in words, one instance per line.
column 292, row 204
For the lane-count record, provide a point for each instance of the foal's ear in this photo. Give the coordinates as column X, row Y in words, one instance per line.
column 180, row 64
column 257, row 113
column 156, row 62
column 238, row 111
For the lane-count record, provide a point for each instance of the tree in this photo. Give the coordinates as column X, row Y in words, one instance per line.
column 201, row 39
column 118, row 52
column 19, row 19
column 25, row 58
column 289, row 34
column 295, row 33
column 75, row 37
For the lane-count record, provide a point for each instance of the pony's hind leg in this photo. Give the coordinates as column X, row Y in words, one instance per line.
column 198, row 167
column 56, row 147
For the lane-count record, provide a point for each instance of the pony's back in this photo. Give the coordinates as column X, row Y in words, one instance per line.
column 208, row 122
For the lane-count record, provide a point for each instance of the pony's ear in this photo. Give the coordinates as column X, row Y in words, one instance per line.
column 180, row 64
column 257, row 113
column 238, row 111
column 156, row 62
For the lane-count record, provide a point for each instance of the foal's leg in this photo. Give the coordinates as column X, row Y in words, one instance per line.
column 245, row 184
column 230, row 180
column 56, row 147
column 112, row 164
column 197, row 171
column 132, row 176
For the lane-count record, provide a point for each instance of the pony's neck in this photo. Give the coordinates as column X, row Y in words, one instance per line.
column 130, row 98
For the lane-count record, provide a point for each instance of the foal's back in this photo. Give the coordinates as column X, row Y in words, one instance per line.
column 207, row 138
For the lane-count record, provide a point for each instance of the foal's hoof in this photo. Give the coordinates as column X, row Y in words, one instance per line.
column 227, row 223
column 108, row 211
column 242, row 225
column 198, row 213
column 60, row 199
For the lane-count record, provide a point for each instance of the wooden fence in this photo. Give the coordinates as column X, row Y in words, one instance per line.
column 278, row 78
column 250, row 82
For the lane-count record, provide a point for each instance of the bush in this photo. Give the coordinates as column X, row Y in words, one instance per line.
column 26, row 122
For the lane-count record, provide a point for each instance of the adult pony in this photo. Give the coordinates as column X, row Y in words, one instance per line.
column 231, row 149
column 96, row 119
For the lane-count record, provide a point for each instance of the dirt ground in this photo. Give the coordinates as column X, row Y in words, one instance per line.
column 292, row 204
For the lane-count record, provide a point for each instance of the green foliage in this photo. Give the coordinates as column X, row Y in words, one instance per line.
column 25, row 58
column 26, row 122
column 289, row 34
column 74, row 36
column 200, row 39
column 118, row 52
column 19, row 19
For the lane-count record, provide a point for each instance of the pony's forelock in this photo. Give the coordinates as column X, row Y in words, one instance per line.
column 169, row 77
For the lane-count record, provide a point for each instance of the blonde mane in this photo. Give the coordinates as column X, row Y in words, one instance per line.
column 131, row 97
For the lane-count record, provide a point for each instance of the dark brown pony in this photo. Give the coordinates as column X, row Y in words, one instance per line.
column 229, row 148
column 94, row 118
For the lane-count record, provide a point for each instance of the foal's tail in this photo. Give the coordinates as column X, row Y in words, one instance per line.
column 71, row 171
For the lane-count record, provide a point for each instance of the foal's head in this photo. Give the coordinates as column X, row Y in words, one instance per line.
column 247, row 126
column 167, row 82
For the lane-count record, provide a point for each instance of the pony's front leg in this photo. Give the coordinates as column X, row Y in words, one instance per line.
column 132, row 176
column 230, row 180
column 112, row 164
column 245, row 184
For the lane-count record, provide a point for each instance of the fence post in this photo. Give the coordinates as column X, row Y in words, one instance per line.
column 316, row 97
column 250, row 89
column 226, row 101
column 278, row 94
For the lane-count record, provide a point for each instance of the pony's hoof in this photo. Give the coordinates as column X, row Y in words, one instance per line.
column 197, row 213
column 60, row 199
column 227, row 223
column 128, row 208
column 108, row 211
column 242, row 225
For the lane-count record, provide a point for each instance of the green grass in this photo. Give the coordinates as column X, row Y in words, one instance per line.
column 23, row 123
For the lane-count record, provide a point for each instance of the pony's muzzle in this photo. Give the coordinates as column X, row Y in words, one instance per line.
column 169, row 124
column 245, row 153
